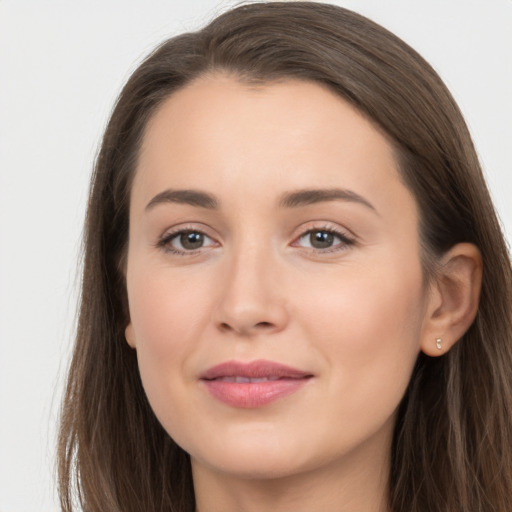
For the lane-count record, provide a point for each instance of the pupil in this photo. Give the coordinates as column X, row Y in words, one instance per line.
column 191, row 240
column 321, row 239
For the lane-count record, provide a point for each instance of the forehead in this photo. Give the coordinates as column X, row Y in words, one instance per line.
column 236, row 138
column 214, row 107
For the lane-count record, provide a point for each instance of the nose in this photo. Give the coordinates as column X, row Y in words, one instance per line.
column 251, row 302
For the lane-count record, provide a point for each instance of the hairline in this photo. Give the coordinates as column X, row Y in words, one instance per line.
column 257, row 81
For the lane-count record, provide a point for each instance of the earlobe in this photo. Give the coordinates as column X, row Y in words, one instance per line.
column 454, row 299
column 129, row 335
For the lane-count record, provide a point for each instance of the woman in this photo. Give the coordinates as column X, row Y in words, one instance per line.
column 296, row 294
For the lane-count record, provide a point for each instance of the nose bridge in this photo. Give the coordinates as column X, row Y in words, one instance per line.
column 250, row 299
column 251, row 267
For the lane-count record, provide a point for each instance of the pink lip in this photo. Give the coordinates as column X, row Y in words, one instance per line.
column 277, row 381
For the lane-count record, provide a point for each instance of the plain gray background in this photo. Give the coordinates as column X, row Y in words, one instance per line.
column 61, row 66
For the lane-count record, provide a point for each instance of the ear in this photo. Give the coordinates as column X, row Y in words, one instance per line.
column 453, row 302
column 130, row 335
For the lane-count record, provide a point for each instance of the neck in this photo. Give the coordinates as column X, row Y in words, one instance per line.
column 358, row 483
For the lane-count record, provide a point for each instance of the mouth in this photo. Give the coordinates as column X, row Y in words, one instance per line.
column 245, row 380
column 254, row 384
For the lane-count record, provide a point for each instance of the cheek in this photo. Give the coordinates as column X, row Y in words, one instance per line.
column 369, row 329
column 166, row 309
column 166, row 314
column 366, row 308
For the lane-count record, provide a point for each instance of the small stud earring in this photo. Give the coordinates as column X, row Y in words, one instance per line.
column 438, row 343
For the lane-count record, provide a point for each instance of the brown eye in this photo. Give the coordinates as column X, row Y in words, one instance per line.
column 324, row 240
column 321, row 239
column 186, row 241
column 191, row 240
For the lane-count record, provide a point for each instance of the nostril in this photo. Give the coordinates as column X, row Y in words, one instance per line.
column 265, row 325
column 225, row 327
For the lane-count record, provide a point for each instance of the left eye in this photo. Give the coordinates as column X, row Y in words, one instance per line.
column 189, row 241
column 321, row 239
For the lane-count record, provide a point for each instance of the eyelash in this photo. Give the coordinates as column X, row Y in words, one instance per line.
column 346, row 240
column 165, row 242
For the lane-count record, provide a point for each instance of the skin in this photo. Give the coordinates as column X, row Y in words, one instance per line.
column 354, row 315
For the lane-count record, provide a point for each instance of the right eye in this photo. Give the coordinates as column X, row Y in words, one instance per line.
column 186, row 241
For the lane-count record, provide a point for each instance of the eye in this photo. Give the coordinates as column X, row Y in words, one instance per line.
column 185, row 241
column 324, row 239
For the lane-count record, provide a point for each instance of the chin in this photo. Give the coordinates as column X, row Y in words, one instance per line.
column 252, row 466
column 253, row 453
column 260, row 455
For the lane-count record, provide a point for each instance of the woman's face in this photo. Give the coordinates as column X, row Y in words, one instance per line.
column 275, row 288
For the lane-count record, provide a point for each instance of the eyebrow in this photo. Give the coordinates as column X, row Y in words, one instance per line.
column 288, row 200
column 311, row 196
column 190, row 197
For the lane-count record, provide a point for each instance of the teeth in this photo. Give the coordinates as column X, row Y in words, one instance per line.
column 247, row 380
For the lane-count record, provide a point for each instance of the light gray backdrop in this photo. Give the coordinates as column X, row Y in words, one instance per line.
column 61, row 66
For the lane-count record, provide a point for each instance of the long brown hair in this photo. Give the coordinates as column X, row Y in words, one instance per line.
column 452, row 448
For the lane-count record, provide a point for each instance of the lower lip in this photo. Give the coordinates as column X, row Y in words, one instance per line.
column 249, row 395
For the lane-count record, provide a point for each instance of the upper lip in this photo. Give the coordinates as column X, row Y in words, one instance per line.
column 254, row 370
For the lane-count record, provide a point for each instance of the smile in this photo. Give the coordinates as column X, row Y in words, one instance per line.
column 246, row 380
column 252, row 385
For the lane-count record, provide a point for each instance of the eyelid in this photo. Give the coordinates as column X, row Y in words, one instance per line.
column 346, row 236
column 169, row 234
